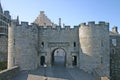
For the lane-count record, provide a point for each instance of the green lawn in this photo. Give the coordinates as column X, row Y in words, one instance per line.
column 3, row 65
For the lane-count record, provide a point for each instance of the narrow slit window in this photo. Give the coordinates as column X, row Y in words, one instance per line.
column 101, row 43
column 74, row 44
column 101, row 60
column 42, row 44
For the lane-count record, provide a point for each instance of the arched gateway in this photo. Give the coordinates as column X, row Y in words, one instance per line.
column 59, row 54
column 58, row 57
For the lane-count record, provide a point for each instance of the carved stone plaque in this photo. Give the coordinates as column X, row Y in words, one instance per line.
column 58, row 44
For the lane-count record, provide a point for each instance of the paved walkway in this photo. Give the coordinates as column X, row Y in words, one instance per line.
column 57, row 72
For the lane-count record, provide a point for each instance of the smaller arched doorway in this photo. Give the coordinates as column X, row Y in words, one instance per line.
column 58, row 57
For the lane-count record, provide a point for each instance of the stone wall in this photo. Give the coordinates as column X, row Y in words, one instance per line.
column 26, row 47
column 3, row 48
column 58, row 38
column 115, row 56
column 99, row 74
column 89, row 43
column 9, row 73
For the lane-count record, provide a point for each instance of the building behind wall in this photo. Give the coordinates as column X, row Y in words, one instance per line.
column 114, row 54
column 4, row 20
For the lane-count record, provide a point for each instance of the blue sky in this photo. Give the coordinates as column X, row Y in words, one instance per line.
column 72, row 12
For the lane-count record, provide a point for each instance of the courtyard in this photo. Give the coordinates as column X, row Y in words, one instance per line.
column 57, row 72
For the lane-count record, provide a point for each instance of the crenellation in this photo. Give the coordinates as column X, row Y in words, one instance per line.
column 58, row 27
column 67, row 27
column 41, row 27
column 107, row 24
column 91, row 24
column 75, row 26
column 24, row 23
column 101, row 23
column 49, row 27
column 83, row 24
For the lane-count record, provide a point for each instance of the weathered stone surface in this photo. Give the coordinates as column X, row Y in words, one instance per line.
column 115, row 56
column 30, row 45
column 94, row 47
column 3, row 48
column 4, row 21
column 9, row 73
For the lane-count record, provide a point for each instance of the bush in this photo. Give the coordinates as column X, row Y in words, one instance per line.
column 3, row 65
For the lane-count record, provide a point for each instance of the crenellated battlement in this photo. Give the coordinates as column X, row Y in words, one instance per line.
column 57, row 28
column 24, row 23
column 25, row 26
column 92, row 24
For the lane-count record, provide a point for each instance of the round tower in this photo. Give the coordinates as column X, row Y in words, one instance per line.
column 94, row 44
column 11, row 45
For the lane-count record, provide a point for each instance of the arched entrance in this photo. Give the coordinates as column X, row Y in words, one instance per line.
column 58, row 57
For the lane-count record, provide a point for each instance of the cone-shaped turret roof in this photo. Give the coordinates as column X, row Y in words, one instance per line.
column 1, row 10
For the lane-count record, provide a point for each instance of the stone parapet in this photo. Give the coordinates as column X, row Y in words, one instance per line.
column 92, row 24
column 9, row 73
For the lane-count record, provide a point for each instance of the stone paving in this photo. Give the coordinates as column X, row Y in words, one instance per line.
column 57, row 72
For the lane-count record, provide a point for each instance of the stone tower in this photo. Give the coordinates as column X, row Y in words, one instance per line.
column 94, row 47
column 11, row 43
column 11, row 46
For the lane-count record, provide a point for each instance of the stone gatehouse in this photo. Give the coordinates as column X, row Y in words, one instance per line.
column 85, row 46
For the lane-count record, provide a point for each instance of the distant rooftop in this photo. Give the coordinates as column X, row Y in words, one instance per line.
column 43, row 20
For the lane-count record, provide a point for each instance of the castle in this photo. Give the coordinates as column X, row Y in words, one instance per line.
column 87, row 46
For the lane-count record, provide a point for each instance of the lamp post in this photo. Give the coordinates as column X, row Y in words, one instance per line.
column 45, row 66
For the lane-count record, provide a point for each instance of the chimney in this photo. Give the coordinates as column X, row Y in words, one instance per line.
column 114, row 29
column 59, row 21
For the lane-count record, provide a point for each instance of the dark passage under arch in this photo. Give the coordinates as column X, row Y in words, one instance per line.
column 58, row 58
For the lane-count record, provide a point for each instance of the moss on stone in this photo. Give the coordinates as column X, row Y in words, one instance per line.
column 3, row 65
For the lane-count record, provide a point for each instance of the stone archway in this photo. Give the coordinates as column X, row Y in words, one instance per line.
column 58, row 57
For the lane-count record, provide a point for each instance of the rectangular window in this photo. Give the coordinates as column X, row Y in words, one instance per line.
column 114, row 42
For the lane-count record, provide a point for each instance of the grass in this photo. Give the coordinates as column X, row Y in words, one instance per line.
column 3, row 65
